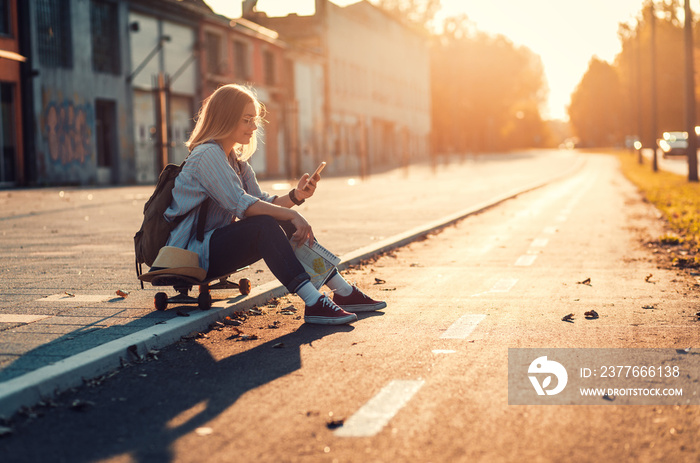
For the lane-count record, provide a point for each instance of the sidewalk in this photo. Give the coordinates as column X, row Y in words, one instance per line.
column 677, row 165
column 66, row 253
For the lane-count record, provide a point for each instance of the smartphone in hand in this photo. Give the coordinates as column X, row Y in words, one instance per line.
column 317, row 171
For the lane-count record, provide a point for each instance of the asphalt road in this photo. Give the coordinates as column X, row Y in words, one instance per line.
column 427, row 378
column 67, row 251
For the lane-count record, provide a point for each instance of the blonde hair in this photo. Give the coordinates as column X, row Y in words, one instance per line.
column 221, row 112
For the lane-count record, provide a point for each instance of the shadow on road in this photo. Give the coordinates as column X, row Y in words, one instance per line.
column 142, row 415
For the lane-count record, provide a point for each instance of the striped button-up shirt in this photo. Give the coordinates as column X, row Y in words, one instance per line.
column 232, row 185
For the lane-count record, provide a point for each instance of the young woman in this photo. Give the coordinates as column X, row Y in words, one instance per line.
column 245, row 224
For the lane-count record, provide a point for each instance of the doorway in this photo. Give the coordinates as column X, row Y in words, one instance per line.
column 106, row 137
column 8, row 139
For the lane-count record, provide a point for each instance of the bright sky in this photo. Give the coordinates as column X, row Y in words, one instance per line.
column 566, row 34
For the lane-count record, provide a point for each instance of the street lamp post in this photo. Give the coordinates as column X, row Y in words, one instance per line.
column 638, row 80
column 692, row 152
column 655, row 162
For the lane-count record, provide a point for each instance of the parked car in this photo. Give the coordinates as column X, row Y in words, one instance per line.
column 674, row 143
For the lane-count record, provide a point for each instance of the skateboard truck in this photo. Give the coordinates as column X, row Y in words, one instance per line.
column 183, row 284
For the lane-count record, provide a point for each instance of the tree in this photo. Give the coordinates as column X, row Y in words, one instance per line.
column 596, row 105
column 486, row 91
column 415, row 12
column 633, row 69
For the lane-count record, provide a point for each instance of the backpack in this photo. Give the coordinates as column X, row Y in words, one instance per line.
column 155, row 230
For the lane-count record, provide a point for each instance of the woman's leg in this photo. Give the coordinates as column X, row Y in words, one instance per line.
column 262, row 237
column 349, row 297
column 247, row 241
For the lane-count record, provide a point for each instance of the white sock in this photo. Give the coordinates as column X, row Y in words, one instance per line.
column 308, row 293
column 339, row 286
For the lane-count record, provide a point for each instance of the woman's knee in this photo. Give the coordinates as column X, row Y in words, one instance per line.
column 264, row 221
column 266, row 226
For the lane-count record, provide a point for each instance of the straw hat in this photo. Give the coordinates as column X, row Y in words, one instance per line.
column 175, row 261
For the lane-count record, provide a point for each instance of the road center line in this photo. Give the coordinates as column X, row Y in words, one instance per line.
column 18, row 318
column 540, row 242
column 503, row 285
column 463, row 327
column 375, row 414
column 526, row 260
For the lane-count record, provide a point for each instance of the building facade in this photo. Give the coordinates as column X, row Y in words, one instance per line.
column 106, row 91
column 243, row 52
column 77, row 96
column 163, row 80
column 376, row 83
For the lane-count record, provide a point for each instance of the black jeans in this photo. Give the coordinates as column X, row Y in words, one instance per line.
column 246, row 241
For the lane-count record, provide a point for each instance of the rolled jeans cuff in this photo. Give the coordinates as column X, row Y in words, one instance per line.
column 297, row 282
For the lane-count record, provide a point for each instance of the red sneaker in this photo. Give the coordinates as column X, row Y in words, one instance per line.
column 325, row 312
column 357, row 301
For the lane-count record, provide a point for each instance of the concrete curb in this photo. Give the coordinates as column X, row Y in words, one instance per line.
column 31, row 388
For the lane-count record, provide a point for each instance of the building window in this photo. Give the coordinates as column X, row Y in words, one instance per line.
column 269, row 60
column 54, row 33
column 105, row 37
column 5, row 17
column 213, row 51
column 241, row 59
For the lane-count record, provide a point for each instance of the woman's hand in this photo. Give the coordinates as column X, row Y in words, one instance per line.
column 306, row 186
column 303, row 231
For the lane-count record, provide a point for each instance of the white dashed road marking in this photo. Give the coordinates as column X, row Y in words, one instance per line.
column 540, row 242
column 17, row 318
column 463, row 327
column 526, row 260
column 375, row 414
column 503, row 285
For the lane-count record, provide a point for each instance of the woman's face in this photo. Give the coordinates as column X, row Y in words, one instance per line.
column 247, row 125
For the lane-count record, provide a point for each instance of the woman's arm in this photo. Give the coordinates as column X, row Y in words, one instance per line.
column 303, row 229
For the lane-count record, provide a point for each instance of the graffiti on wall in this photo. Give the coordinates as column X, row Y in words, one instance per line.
column 67, row 128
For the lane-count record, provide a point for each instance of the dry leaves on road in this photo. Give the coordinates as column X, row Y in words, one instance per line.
column 289, row 310
column 587, row 282
column 231, row 322
column 81, row 405
column 333, row 424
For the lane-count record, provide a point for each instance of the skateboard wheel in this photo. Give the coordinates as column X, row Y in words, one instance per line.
column 244, row 286
column 161, row 301
column 204, row 300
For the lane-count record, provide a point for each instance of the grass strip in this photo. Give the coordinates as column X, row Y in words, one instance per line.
column 676, row 198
